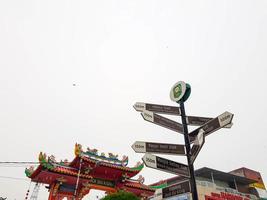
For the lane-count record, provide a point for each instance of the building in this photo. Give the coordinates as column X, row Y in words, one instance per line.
column 88, row 170
column 239, row 184
column 92, row 170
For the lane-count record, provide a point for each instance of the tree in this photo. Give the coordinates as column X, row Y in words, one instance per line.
column 121, row 195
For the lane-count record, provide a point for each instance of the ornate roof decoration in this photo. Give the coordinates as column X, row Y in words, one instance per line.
column 92, row 170
column 93, row 154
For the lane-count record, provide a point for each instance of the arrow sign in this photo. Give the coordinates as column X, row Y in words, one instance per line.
column 199, row 121
column 213, row 125
column 179, row 188
column 198, row 143
column 166, row 165
column 162, row 121
column 176, row 179
column 162, row 148
column 171, row 110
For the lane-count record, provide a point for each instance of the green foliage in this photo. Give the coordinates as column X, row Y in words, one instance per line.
column 121, row 195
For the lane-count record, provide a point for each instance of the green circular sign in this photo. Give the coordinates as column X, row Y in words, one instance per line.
column 180, row 91
column 187, row 92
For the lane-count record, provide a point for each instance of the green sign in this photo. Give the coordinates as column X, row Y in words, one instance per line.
column 180, row 91
column 177, row 91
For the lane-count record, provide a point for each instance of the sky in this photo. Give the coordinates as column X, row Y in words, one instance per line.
column 71, row 71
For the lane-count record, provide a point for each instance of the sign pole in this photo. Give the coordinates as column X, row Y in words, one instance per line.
column 188, row 153
column 180, row 92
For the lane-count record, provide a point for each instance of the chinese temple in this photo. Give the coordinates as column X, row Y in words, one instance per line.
column 88, row 170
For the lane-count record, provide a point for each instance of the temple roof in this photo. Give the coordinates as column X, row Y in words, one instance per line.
column 64, row 174
column 138, row 185
column 133, row 170
column 98, row 171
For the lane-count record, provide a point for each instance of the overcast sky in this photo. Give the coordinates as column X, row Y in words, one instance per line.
column 120, row 52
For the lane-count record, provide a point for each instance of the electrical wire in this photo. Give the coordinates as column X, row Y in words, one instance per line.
column 18, row 162
column 11, row 164
column 14, row 178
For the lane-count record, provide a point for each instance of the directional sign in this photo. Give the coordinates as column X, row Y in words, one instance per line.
column 166, row 165
column 162, row 148
column 199, row 121
column 171, row 110
column 162, row 121
column 198, row 143
column 213, row 125
column 179, row 188
column 176, row 179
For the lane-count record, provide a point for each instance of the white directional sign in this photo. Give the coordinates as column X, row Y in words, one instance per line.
column 162, row 121
column 166, row 165
column 171, row 110
column 161, row 148
column 177, row 189
column 198, row 143
column 199, row 121
column 213, row 125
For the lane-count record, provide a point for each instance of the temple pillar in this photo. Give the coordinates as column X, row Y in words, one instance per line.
column 84, row 191
column 51, row 197
column 54, row 193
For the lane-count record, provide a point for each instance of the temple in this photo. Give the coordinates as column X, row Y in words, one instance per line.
column 88, row 170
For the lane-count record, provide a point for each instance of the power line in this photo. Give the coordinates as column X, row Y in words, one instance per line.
column 26, row 162
column 18, row 162
column 11, row 166
column 14, row 178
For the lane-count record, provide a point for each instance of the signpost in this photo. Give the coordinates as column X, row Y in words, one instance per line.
column 166, row 165
column 179, row 93
column 186, row 137
column 213, row 125
column 161, row 148
column 199, row 121
column 198, row 143
column 179, row 188
column 162, row 121
column 175, row 180
column 171, row 110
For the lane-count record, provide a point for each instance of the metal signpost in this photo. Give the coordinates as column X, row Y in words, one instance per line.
column 188, row 153
column 161, row 148
column 213, row 125
column 175, row 180
column 171, row 110
column 166, row 165
column 199, row 121
column 179, row 93
column 173, row 190
column 198, row 144
column 162, row 121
